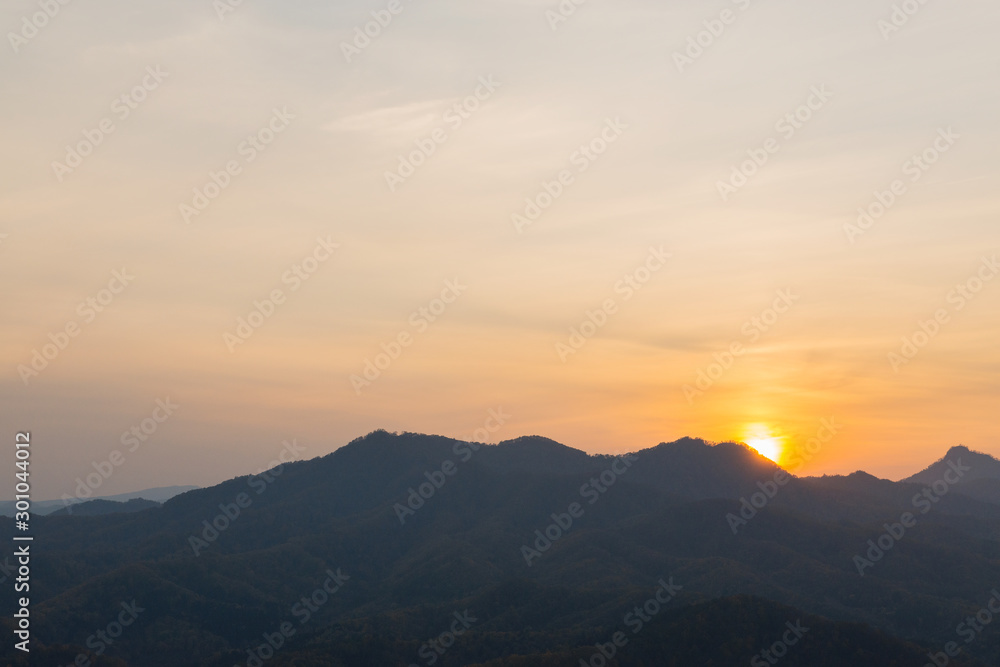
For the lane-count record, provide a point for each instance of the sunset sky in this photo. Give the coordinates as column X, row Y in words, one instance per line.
column 661, row 129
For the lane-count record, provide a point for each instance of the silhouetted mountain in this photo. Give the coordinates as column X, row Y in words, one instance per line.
column 692, row 469
column 983, row 466
column 416, row 529
column 982, row 483
column 984, row 488
column 42, row 507
column 98, row 507
column 536, row 455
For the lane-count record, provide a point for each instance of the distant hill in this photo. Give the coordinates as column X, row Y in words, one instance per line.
column 691, row 468
column 983, row 466
column 99, row 507
column 426, row 527
column 43, row 507
column 982, row 482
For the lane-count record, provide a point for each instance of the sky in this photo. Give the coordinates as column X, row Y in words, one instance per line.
column 229, row 226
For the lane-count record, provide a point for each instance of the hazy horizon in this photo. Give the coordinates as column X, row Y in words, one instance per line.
column 635, row 238
column 795, row 470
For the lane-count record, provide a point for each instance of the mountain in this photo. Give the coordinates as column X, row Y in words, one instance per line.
column 42, row 507
column 98, row 507
column 983, row 466
column 982, row 482
column 693, row 469
column 549, row 549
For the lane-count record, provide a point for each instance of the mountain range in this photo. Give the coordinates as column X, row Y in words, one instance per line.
column 409, row 549
column 157, row 495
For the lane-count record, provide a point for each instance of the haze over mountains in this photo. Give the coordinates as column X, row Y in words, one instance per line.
column 158, row 495
column 982, row 482
column 413, row 549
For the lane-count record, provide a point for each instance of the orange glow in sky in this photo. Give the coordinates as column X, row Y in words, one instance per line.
column 760, row 438
column 307, row 299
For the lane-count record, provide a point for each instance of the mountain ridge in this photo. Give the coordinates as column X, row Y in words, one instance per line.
column 221, row 578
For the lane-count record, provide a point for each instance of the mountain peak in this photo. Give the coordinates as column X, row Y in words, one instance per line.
column 686, row 442
column 536, row 453
column 526, row 441
column 983, row 466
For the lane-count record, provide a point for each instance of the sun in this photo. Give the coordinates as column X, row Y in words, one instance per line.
column 761, row 438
